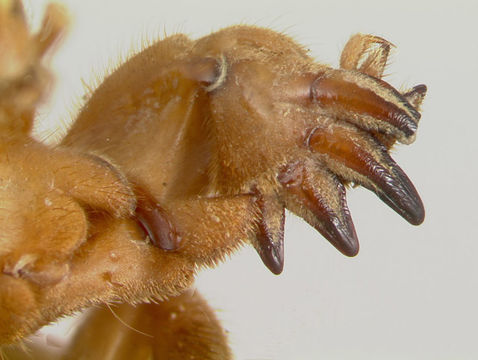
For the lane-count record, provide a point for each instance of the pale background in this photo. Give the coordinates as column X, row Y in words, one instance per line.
column 412, row 292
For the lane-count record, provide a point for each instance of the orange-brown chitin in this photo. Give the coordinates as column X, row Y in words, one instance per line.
column 184, row 153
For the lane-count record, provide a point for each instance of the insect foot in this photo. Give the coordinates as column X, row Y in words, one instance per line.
column 243, row 123
column 293, row 133
column 189, row 150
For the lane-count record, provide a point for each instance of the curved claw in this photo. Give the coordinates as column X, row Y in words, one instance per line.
column 370, row 103
column 155, row 222
column 269, row 241
column 319, row 197
column 416, row 95
column 367, row 54
column 358, row 158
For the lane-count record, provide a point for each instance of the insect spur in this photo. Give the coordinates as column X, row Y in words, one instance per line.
column 184, row 153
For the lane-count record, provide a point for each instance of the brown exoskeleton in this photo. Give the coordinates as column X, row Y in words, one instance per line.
column 183, row 154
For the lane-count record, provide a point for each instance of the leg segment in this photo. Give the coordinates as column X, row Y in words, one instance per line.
column 183, row 327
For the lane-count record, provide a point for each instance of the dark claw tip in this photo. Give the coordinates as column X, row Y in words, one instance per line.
column 417, row 89
column 311, row 190
column 341, row 235
column 401, row 196
column 269, row 242
column 416, row 95
column 272, row 255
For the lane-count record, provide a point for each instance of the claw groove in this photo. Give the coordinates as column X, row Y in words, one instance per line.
column 367, row 102
column 360, row 159
column 319, row 197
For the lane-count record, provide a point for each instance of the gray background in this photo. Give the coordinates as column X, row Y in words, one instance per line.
column 412, row 291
